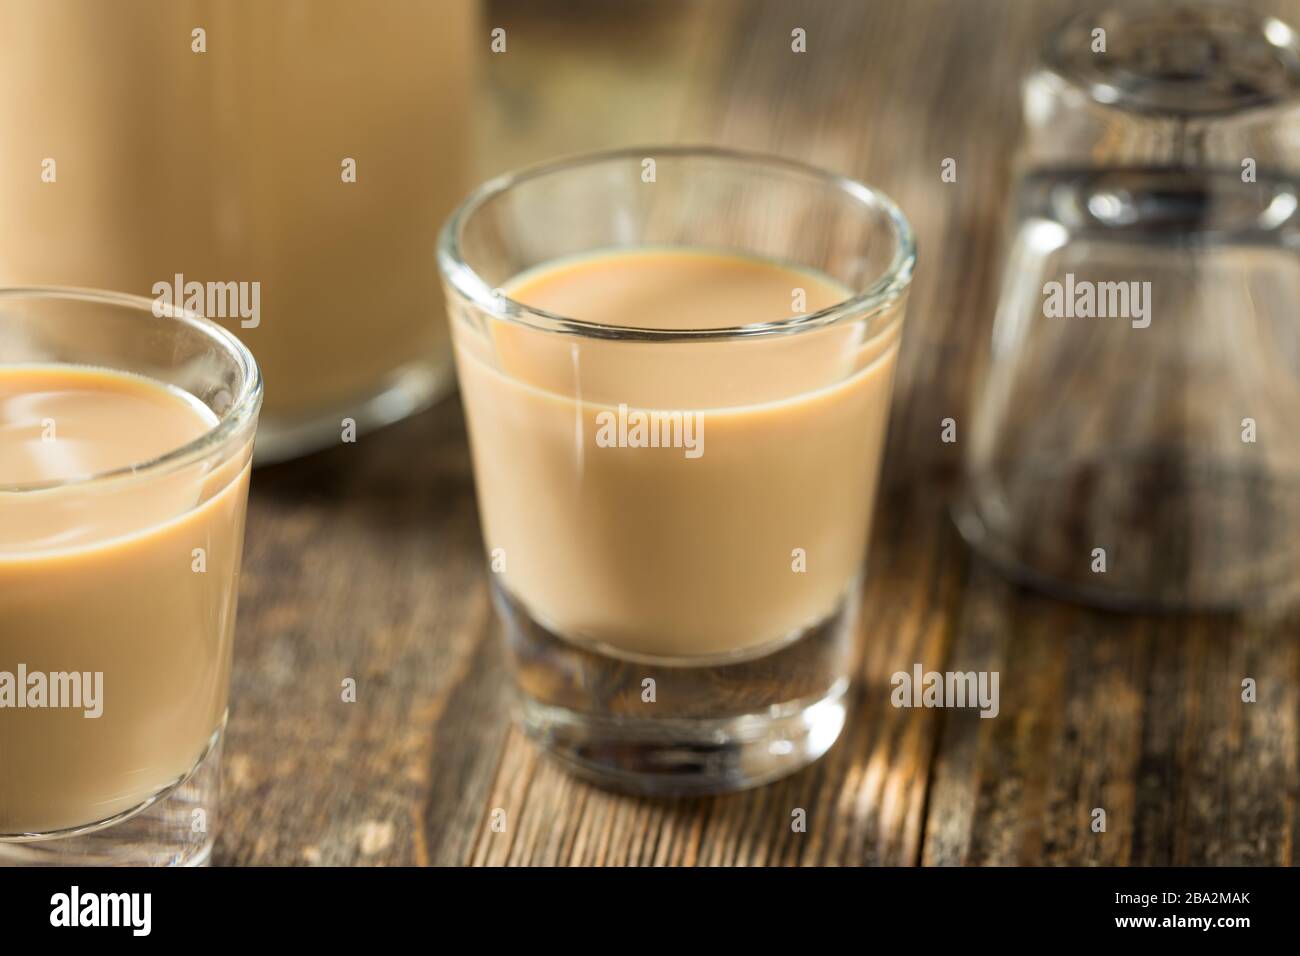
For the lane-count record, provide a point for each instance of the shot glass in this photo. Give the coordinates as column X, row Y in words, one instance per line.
column 1133, row 441
column 118, row 584
column 676, row 367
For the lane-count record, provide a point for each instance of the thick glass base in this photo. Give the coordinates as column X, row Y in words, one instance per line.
column 174, row 828
column 680, row 726
column 684, row 757
column 408, row 390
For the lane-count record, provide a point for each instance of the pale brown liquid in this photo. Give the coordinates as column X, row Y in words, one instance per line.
column 226, row 166
column 644, row 550
column 102, row 578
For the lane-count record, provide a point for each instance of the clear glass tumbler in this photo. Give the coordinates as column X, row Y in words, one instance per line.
column 1134, row 437
column 117, row 588
column 678, row 618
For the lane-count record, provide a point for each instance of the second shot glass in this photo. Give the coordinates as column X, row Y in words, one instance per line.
column 125, row 445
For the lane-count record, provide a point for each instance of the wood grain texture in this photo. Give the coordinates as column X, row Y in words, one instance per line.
column 365, row 561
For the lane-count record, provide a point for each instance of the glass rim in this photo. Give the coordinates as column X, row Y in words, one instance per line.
column 243, row 407
column 880, row 292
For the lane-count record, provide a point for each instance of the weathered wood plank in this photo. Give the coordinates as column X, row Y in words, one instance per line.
column 362, row 562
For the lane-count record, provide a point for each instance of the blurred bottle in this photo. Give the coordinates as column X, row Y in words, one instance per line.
column 1135, row 437
column 312, row 147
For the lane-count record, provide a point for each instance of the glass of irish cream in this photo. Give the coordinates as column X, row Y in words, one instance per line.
column 126, row 432
column 676, row 368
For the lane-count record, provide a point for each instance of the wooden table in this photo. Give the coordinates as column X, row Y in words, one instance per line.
column 365, row 561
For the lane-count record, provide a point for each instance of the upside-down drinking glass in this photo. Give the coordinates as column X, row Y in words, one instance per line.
column 1134, row 440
